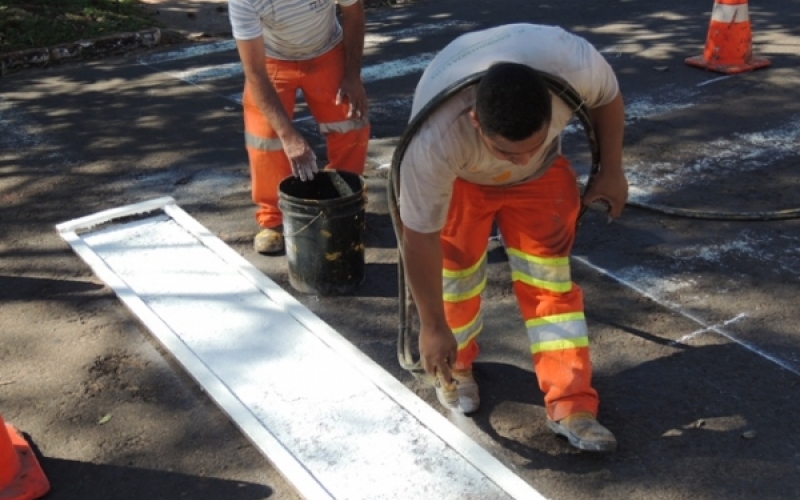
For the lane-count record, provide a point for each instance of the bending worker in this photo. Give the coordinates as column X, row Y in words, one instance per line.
column 491, row 153
column 290, row 45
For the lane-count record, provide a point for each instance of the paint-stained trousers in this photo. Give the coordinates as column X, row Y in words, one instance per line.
column 537, row 222
column 346, row 139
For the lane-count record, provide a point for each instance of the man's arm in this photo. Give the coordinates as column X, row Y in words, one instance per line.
column 251, row 52
column 609, row 184
column 422, row 258
column 351, row 87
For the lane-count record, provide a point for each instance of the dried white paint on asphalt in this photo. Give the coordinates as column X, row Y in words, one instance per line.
column 739, row 153
column 659, row 285
column 774, row 252
column 188, row 52
column 691, row 336
column 373, row 73
column 397, row 68
column 333, row 421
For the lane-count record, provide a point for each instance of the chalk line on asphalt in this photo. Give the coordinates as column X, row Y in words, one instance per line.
column 686, row 314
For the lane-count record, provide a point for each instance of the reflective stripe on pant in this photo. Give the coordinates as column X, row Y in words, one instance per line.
column 537, row 220
column 346, row 139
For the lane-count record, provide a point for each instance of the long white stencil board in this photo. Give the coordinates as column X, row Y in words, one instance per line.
column 336, row 424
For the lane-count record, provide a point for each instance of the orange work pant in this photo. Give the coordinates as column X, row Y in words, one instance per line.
column 346, row 139
column 537, row 222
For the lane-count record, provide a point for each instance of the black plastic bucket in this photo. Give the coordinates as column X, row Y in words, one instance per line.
column 323, row 224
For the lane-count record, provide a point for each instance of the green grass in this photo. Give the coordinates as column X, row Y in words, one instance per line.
column 28, row 24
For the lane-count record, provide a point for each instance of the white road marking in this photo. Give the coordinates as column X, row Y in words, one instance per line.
column 189, row 52
column 689, row 336
column 396, row 68
column 656, row 284
column 404, row 35
column 208, row 73
column 713, row 80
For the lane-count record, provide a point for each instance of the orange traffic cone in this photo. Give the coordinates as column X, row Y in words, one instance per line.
column 729, row 41
column 21, row 477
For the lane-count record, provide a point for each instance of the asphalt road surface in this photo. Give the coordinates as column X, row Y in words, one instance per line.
column 693, row 321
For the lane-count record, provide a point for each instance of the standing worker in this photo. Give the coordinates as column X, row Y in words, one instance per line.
column 491, row 153
column 285, row 46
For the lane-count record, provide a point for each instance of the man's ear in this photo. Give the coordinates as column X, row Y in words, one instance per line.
column 473, row 118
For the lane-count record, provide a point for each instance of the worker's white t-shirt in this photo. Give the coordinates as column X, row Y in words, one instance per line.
column 293, row 30
column 447, row 145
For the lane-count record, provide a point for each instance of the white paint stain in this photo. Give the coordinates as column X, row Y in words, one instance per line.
column 713, row 80
column 208, row 73
column 639, row 107
column 399, row 67
column 741, row 152
column 414, row 33
column 404, row 35
column 189, row 52
column 780, row 252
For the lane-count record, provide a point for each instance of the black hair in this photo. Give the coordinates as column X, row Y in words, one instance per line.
column 512, row 101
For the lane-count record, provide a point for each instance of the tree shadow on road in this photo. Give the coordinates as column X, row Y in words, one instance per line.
column 714, row 411
column 70, row 479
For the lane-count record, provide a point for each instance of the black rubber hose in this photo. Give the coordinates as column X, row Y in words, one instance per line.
column 792, row 213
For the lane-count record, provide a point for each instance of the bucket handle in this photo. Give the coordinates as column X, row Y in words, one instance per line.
column 307, row 225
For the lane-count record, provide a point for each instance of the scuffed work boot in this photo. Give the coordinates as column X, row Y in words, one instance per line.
column 461, row 394
column 269, row 241
column 584, row 432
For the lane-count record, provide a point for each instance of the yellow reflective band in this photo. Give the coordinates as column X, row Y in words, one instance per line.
column 447, row 273
column 344, row 126
column 462, row 345
column 458, row 297
column 262, row 143
column 468, row 332
column 461, row 329
column 554, row 286
column 558, row 345
column 556, row 318
column 542, row 261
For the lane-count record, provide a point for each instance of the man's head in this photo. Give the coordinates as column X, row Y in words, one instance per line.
column 512, row 111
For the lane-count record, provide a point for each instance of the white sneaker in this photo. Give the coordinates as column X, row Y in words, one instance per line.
column 584, row 432
column 269, row 241
column 460, row 395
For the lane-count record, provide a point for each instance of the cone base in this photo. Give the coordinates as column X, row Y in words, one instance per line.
column 30, row 482
column 755, row 63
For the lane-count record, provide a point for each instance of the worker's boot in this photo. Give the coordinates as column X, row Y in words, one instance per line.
column 269, row 241
column 584, row 432
column 461, row 394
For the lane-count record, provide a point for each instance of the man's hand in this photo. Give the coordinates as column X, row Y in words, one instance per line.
column 610, row 187
column 609, row 184
column 438, row 351
column 352, row 91
column 301, row 156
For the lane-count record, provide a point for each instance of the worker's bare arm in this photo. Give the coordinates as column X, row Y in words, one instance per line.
column 351, row 87
column 422, row 257
column 251, row 53
column 609, row 184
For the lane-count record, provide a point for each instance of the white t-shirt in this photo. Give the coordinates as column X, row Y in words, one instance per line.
column 293, row 30
column 447, row 146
